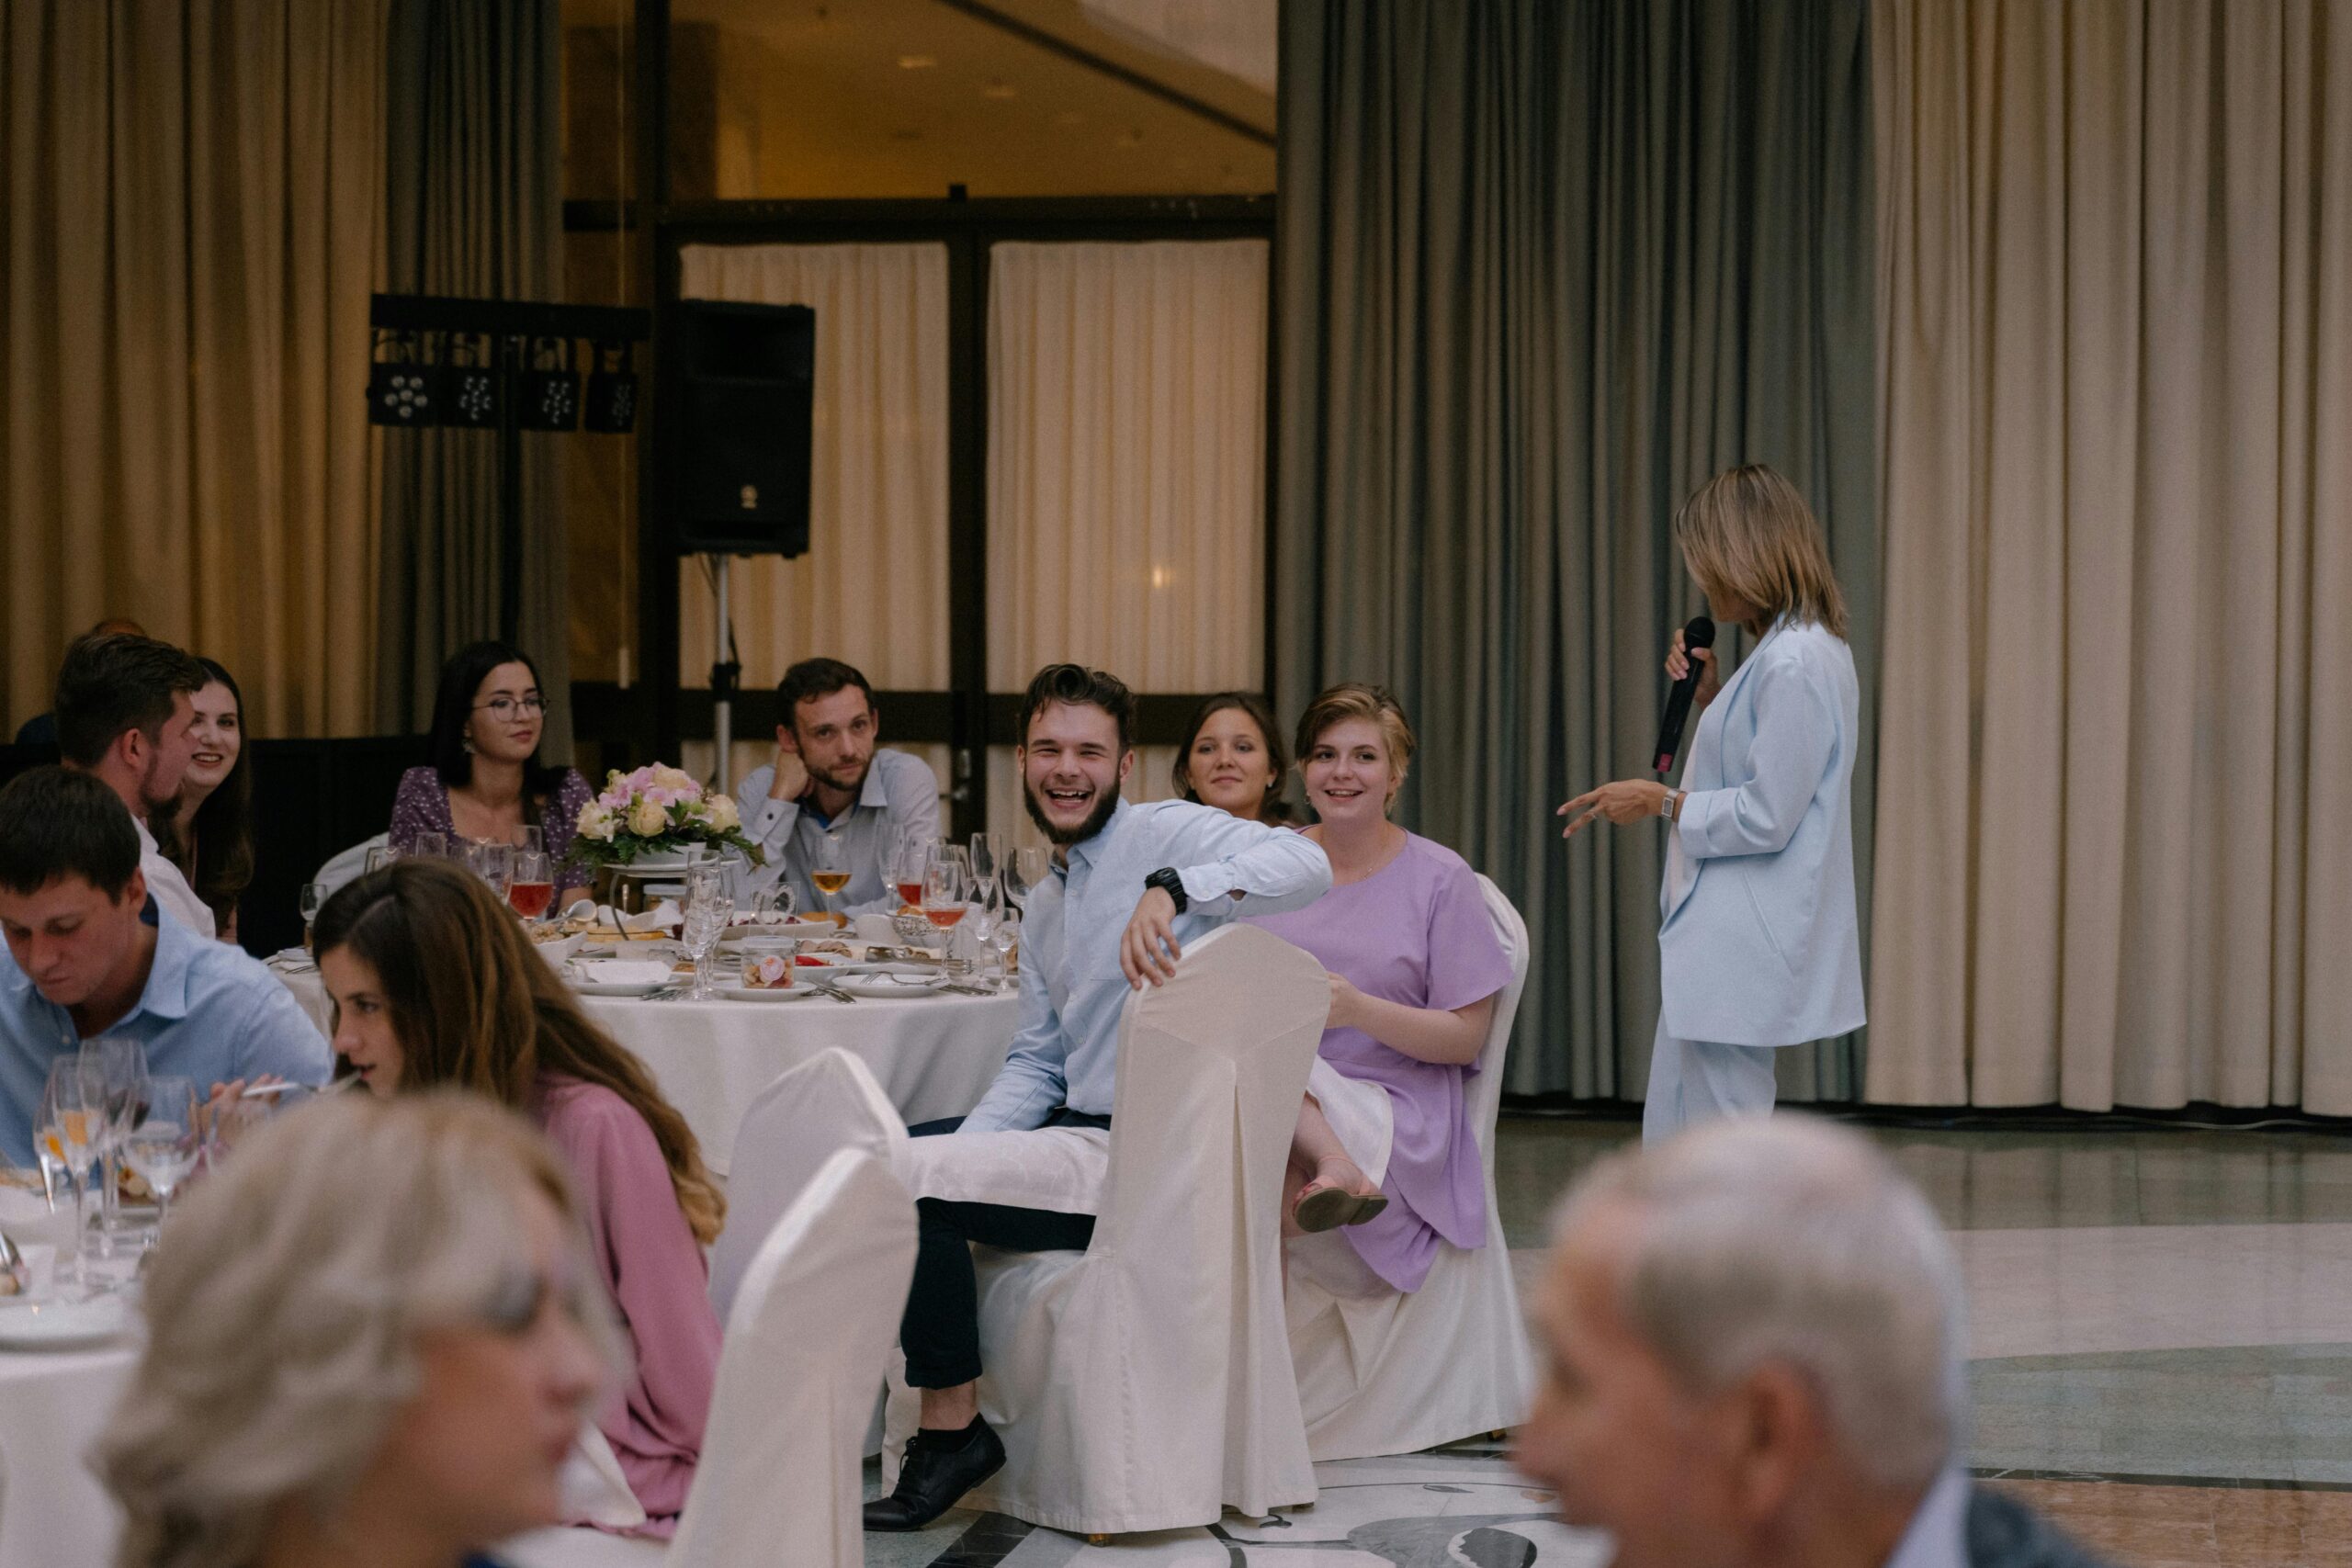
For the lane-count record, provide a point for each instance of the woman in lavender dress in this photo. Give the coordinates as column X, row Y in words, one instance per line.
column 1415, row 967
column 486, row 780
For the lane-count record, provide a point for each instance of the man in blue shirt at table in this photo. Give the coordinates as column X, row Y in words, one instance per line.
column 87, row 956
column 1131, row 885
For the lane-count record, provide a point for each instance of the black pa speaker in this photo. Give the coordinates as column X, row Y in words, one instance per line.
column 739, row 482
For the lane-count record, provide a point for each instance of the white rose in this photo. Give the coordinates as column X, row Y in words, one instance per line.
column 596, row 822
column 723, row 815
column 647, row 818
column 669, row 778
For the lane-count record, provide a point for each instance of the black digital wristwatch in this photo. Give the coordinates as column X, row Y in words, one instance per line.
column 1168, row 882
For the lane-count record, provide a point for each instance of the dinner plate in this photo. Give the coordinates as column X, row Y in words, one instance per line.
column 63, row 1326
column 767, row 992
column 635, row 988
column 889, row 984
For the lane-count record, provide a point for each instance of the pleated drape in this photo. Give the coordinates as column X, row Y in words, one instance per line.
column 191, row 230
column 2115, row 269
column 1544, row 269
column 473, row 209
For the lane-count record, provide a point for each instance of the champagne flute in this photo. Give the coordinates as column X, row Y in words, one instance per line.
column 162, row 1148
column 831, row 873
column 532, row 887
column 314, row 897
column 72, row 1114
column 988, row 914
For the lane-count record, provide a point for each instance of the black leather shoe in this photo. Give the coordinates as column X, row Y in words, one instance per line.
column 939, row 1468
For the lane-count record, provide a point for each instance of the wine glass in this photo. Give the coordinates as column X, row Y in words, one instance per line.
column 120, row 1064
column 163, row 1146
column 72, row 1128
column 533, row 838
column 945, row 881
column 494, row 862
column 831, row 873
column 1024, row 869
column 987, row 856
column 906, row 863
column 531, row 888
column 431, row 846
column 708, row 909
column 988, row 914
column 380, row 855
column 314, row 897
column 1006, row 937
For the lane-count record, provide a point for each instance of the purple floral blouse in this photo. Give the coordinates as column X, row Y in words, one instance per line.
column 423, row 807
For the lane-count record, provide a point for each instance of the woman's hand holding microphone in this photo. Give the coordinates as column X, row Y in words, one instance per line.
column 1631, row 800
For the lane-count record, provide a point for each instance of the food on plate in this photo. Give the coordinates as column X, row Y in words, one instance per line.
column 770, row 972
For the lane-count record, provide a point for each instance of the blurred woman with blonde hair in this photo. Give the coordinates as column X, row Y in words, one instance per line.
column 1759, row 947
column 434, row 982
column 372, row 1337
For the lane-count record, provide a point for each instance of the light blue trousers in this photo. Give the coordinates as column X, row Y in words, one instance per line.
column 1697, row 1080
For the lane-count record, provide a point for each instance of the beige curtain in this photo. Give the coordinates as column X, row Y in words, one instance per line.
column 2115, row 276
column 193, row 201
column 1126, row 487
column 872, row 588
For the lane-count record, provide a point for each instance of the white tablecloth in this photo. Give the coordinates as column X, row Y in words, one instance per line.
column 934, row 1056
column 53, row 1404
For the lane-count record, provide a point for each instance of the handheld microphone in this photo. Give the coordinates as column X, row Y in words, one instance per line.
column 1698, row 634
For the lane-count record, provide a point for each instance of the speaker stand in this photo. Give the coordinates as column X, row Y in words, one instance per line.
column 724, row 671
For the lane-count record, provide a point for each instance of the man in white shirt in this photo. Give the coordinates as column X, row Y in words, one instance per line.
column 1754, row 1331
column 124, row 706
column 832, row 794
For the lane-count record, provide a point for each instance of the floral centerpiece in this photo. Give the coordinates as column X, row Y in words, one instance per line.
column 657, row 810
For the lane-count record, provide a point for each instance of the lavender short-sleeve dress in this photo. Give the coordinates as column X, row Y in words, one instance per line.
column 423, row 807
column 1414, row 931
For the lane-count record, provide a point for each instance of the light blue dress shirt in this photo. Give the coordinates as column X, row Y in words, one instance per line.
column 1072, row 988
column 211, row 1013
column 1938, row 1534
column 900, row 797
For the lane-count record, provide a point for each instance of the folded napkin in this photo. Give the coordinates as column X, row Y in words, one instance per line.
column 662, row 917
column 622, row 971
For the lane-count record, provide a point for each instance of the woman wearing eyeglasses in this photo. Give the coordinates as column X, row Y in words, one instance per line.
column 486, row 780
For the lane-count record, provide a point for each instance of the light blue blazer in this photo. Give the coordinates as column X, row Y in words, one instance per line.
column 1758, row 944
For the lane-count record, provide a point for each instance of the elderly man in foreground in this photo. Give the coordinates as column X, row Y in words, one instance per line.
column 1753, row 1333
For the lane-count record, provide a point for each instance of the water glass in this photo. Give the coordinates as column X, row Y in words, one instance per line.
column 70, row 1130
column 381, row 855
column 987, row 854
column 707, row 911
column 431, row 846
column 1024, row 869
column 165, row 1145
column 314, row 897
column 120, row 1064
column 1006, row 941
column 492, row 862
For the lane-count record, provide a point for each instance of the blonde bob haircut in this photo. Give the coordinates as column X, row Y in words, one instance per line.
column 1376, row 704
column 1747, row 533
column 286, row 1300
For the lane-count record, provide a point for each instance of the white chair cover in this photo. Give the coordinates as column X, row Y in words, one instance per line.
column 347, row 866
column 1381, row 1372
column 780, row 1479
column 826, row 1104
column 1144, row 1384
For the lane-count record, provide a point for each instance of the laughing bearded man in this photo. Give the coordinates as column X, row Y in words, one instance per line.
column 1131, row 885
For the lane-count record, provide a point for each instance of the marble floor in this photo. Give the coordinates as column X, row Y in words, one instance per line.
column 2161, row 1358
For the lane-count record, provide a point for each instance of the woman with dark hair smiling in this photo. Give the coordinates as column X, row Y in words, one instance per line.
column 486, row 780
column 212, row 837
column 1232, row 758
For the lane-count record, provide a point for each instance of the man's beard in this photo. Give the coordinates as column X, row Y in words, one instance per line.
column 831, row 778
column 1105, row 804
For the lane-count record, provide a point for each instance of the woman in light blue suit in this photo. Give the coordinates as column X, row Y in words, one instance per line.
column 1759, row 947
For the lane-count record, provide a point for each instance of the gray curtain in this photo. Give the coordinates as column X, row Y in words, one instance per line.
column 473, row 208
column 1544, row 269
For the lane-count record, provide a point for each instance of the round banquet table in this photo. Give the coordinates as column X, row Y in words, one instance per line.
column 934, row 1056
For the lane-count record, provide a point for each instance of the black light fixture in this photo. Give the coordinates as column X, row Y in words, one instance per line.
column 400, row 387
column 547, row 397
column 469, row 388
column 612, row 391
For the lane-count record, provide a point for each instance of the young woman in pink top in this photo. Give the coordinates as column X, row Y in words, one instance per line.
column 434, row 982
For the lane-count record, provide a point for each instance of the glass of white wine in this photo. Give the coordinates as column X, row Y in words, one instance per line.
column 831, row 873
column 71, row 1129
column 163, row 1147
